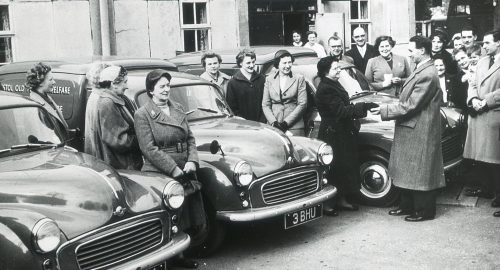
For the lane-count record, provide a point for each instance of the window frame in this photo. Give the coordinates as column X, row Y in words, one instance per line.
column 368, row 19
column 8, row 34
column 195, row 26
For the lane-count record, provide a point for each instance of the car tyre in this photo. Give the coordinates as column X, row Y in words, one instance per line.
column 216, row 232
column 376, row 185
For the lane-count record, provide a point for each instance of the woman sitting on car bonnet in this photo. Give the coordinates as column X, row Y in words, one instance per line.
column 109, row 121
column 39, row 81
column 168, row 146
column 339, row 128
column 388, row 71
column 285, row 98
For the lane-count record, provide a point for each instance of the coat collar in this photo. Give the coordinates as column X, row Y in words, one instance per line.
column 220, row 79
column 418, row 70
column 109, row 94
column 239, row 76
column 176, row 117
column 493, row 69
column 275, row 82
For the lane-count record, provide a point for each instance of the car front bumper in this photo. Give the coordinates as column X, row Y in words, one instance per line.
column 326, row 193
column 178, row 244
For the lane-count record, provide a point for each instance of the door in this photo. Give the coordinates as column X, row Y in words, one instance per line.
column 291, row 22
column 266, row 29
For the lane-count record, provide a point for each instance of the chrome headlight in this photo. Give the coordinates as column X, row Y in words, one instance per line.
column 243, row 173
column 173, row 195
column 46, row 235
column 325, row 154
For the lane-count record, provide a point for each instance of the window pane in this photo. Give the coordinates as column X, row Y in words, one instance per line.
column 188, row 13
column 5, row 50
column 189, row 41
column 364, row 9
column 354, row 10
column 4, row 18
column 201, row 13
column 202, row 36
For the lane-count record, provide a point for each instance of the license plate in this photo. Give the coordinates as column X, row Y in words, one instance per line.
column 302, row 216
column 162, row 266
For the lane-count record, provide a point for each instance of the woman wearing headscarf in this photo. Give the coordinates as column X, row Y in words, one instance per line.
column 285, row 98
column 169, row 147
column 39, row 80
column 109, row 121
column 388, row 71
column 339, row 127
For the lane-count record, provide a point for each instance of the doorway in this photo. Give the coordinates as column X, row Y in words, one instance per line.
column 294, row 21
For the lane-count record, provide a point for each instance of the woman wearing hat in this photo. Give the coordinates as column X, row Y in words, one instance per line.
column 169, row 147
column 339, row 128
column 40, row 81
column 285, row 98
column 109, row 120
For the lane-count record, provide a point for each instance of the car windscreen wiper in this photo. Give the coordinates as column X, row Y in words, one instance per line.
column 204, row 110
column 32, row 145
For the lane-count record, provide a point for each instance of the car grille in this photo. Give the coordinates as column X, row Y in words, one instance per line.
column 290, row 186
column 451, row 147
column 119, row 245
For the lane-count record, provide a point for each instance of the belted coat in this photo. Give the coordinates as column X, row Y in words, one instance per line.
column 158, row 131
column 416, row 160
column 286, row 104
column 483, row 133
column 109, row 130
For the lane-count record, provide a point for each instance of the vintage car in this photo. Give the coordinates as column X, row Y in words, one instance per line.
column 61, row 209
column 250, row 171
column 375, row 137
column 72, row 88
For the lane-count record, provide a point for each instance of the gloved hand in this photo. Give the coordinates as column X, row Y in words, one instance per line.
column 370, row 105
column 276, row 124
column 283, row 126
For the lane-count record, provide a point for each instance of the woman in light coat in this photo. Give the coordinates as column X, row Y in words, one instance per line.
column 387, row 72
column 285, row 98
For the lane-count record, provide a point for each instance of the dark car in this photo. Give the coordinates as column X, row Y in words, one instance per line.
column 376, row 136
column 61, row 209
column 191, row 62
column 72, row 88
column 249, row 171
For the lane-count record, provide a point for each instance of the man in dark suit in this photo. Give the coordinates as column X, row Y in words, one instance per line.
column 361, row 51
column 416, row 163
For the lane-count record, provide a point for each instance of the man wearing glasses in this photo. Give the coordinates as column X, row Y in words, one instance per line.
column 336, row 49
column 360, row 51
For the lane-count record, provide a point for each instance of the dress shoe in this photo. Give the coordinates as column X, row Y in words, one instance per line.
column 496, row 214
column 478, row 193
column 417, row 218
column 495, row 203
column 330, row 211
column 183, row 262
column 348, row 207
column 399, row 212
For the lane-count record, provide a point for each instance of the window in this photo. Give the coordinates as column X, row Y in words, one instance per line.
column 360, row 16
column 5, row 35
column 195, row 26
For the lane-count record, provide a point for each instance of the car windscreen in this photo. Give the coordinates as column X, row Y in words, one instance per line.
column 26, row 125
column 199, row 101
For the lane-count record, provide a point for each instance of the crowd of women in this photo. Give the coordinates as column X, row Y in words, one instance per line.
column 157, row 136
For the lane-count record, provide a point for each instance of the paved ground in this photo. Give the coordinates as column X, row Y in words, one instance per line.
column 461, row 237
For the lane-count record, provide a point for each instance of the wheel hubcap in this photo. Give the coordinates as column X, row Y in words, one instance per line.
column 375, row 180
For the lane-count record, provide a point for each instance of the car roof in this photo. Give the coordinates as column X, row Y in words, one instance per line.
column 14, row 100
column 82, row 65
column 264, row 54
column 178, row 78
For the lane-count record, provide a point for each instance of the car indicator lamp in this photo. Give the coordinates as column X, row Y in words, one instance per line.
column 173, row 195
column 325, row 154
column 243, row 173
column 46, row 235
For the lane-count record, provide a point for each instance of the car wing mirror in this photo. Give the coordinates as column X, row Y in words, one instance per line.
column 215, row 147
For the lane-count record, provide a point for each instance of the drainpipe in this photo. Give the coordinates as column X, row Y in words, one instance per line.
column 104, row 12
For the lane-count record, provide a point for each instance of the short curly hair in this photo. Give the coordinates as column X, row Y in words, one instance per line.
column 241, row 55
column 210, row 55
column 36, row 75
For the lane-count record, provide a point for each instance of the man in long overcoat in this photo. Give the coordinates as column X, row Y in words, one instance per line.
column 416, row 162
column 483, row 134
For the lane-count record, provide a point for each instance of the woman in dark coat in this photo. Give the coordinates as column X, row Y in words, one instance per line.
column 169, row 147
column 439, row 40
column 40, row 81
column 339, row 128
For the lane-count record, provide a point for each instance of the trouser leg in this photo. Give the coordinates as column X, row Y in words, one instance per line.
column 406, row 200
column 494, row 179
column 425, row 202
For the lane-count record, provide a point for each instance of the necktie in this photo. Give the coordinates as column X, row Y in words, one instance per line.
column 492, row 60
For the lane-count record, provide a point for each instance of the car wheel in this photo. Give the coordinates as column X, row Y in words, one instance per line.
column 216, row 232
column 376, row 185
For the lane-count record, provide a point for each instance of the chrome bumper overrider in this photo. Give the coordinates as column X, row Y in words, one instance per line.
column 178, row 243
column 276, row 210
